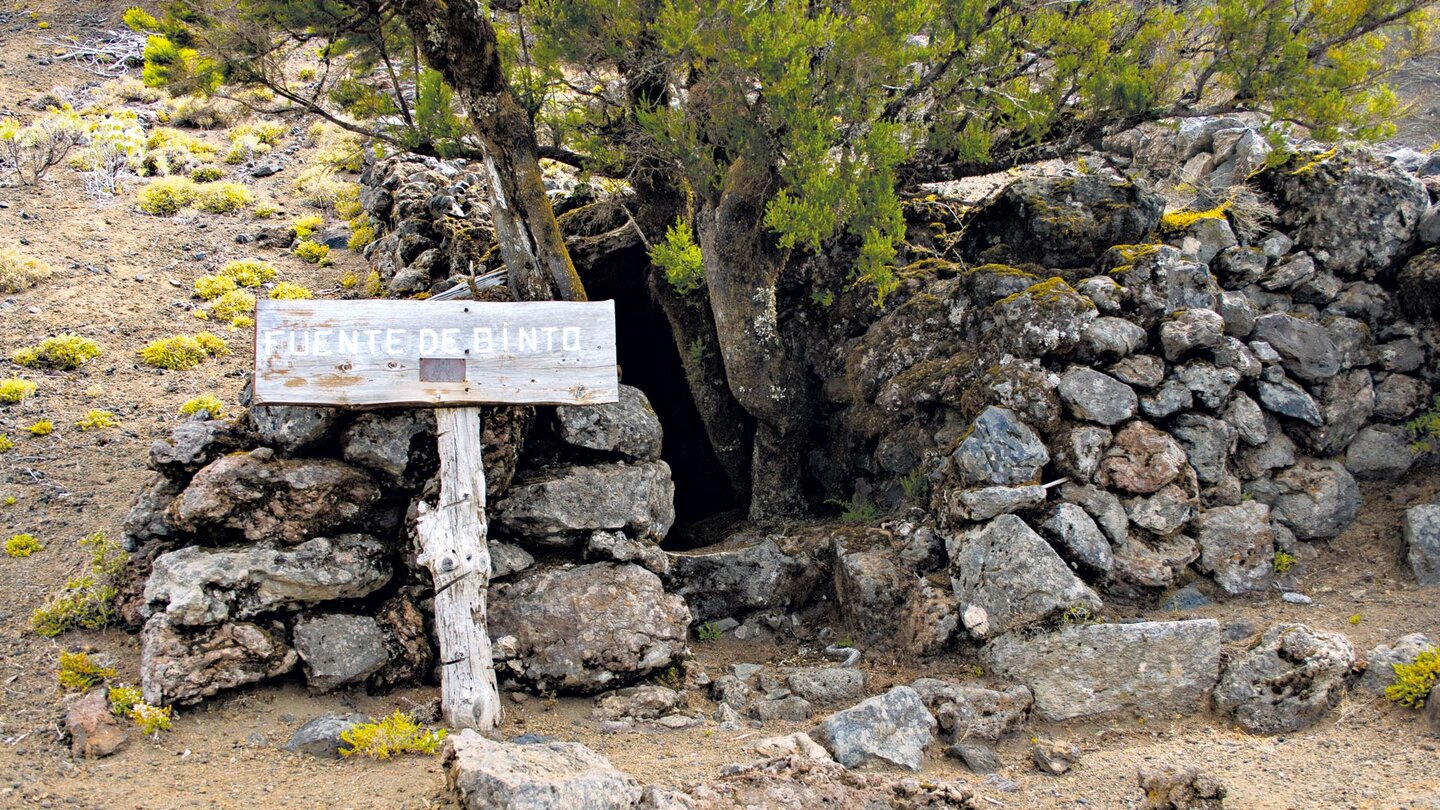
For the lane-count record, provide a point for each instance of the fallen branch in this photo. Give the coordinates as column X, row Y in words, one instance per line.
column 112, row 54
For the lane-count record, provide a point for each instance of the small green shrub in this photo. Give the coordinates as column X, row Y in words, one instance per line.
column 304, row 226
column 313, row 252
column 20, row 271
column 222, row 198
column 856, row 511
column 680, row 258
column 248, row 272
column 98, row 420
column 1414, row 681
column 206, row 174
column 211, row 287
column 153, row 720
column 183, row 352
column 41, row 427
column 167, row 196
column 233, row 304
column 1425, row 428
column 14, row 389
column 123, row 699
column 65, row 351
column 23, row 545
column 362, row 233
column 397, row 734
column 208, row 403
column 6, row 443
column 86, row 601
column 1283, row 562
column 78, row 672
column 286, row 291
column 708, row 632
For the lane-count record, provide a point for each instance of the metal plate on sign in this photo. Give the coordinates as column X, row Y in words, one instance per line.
column 442, row 369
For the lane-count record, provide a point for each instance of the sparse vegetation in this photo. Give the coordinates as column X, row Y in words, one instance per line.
column 28, row 152
column 41, row 427
column 248, row 272
column 233, row 304
column 210, row 288
column 123, row 699
column 1425, row 429
column 312, row 252
column 856, row 510
column 23, row 545
column 708, row 632
column 153, row 720
column 78, row 672
column 66, row 351
column 96, row 419
column 205, row 403
column 287, row 291
column 206, row 174
column 306, row 225
column 166, row 196
column 222, row 197
column 1414, row 681
column 183, row 352
column 1282, row 562
column 6, row 443
column 14, row 390
column 87, row 601
column 20, row 271
column 391, row 736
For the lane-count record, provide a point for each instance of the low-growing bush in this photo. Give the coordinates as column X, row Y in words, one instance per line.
column 269, row 133
column 205, row 403
column 123, row 699
column 166, row 196
column 23, row 545
column 206, row 174
column 41, row 427
column 14, row 389
column 28, row 152
column 66, row 351
column 313, row 252
column 248, row 272
column 362, row 233
column 232, row 304
column 1414, row 681
column 204, row 112
column 286, row 291
column 20, row 271
column 222, row 197
column 96, row 419
column 244, row 148
column 394, row 735
column 183, row 352
column 161, row 137
column 304, row 226
column 78, row 673
column 87, row 601
column 265, row 210
column 320, row 187
column 211, row 287
column 152, row 719
column 6, row 444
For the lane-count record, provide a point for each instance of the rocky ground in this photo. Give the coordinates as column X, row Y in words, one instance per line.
column 123, row 278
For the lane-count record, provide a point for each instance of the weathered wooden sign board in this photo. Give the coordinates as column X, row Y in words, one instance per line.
column 434, row 353
column 453, row 356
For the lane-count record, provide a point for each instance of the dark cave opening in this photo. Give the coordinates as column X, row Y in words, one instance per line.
column 650, row 361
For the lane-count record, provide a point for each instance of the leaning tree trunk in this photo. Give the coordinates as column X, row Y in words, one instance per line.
column 457, row 39
column 742, row 266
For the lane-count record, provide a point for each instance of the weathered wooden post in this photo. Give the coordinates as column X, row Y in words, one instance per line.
column 452, row 356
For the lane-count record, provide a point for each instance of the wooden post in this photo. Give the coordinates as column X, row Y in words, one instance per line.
column 453, row 547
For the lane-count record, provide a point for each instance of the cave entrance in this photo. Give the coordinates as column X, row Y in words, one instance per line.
column 649, row 361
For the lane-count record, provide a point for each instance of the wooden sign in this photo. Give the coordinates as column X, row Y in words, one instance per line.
column 434, row 353
column 453, row 356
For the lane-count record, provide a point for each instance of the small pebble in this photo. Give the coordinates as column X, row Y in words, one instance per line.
column 1297, row 598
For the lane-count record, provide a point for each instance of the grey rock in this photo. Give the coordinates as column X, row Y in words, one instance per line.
column 192, row 444
column 1380, row 453
column 562, row 501
column 629, row 427
column 339, row 649
column 1290, row 272
column 752, row 573
column 1421, row 530
column 1107, row 294
column 1399, row 396
column 1104, row 506
column 1210, row 384
column 1109, row 338
column 1140, row 371
column 320, row 736
column 292, row 428
column 1248, row 421
column 1352, row 340
column 1078, row 451
column 1404, row 356
column 147, row 519
column 1162, row 282
column 1237, row 546
column 185, row 665
column 587, row 628
column 1097, row 397
column 198, row 586
column 1288, row 399
column 1164, row 512
column 1054, row 757
column 1170, row 398
column 1381, row 661
column 1305, row 347
column 1000, row 449
column 929, row 617
column 1186, row 599
column 1317, row 500
column 1176, row 787
column 644, row 702
column 1189, row 331
column 988, row 502
column 617, row 547
column 490, row 775
column 979, row 758
column 1046, row 319
column 1296, row 598
column 508, row 559
column 1239, row 267
column 400, row 445
column 825, row 685
column 966, row 712
column 1206, row 238
column 1074, row 534
column 1276, row 244
column 1233, row 354
column 869, row 586
column 1288, row 681
column 1346, row 404
column 1094, row 670
column 1208, row 443
column 894, row 728
column 788, row 709
column 1236, row 312
column 1006, row 569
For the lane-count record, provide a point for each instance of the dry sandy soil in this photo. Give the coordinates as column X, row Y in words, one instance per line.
column 122, row 278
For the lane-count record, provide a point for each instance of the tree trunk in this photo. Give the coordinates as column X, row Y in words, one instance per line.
column 742, row 266
column 457, row 39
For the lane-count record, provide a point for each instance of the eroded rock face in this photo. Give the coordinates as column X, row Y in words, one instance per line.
column 870, row 587
column 1317, row 500
column 1237, row 546
column 260, row 497
column 629, row 427
column 397, row 445
column 585, row 628
column 891, row 728
column 567, row 501
column 290, row 429
column 192, row 444
column 1288, row 681
column 1141, row 460
column 197, row 586
column 183, row 665
column 752, row 573
column 490, row 775
column 1421, row 529
column 1008, row 571
column 339, row 649
column 1096, row 669
column 1000, row 450
column 967, row 712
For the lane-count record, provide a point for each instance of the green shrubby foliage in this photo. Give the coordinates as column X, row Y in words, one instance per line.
column 86, row 601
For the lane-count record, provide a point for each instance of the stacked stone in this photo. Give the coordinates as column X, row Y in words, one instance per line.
column 282, row 540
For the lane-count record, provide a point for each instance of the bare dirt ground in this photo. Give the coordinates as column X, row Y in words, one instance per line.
column 123, row 279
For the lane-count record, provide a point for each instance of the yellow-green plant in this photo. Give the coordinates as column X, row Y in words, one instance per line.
column 1414, row 681
column 96, row 419
column 212, row 287
column 362, row 233
column 313, row 252
column 222, row 197
column 88, row 600
column 265, row 209
column 304, row 226
column 286, row 291
column 20, row 271
column 153, row 720
column 207, row 403
column 166, row 196
column 14, row 389
column 206, row 174
column 65, row 351
column 28, row 152
column 248, row 272
column 41, row 427
column 78, row 673
column 183, row 352
column 123, row 699
column 162, row 137
column 6, row 443
column 1283, row 562
column 397, row 734
column 244, row 148
column 233, row 304
column 268, row 132
column 23, row 545
column 374, row 287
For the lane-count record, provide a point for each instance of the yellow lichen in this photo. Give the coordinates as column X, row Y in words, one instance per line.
column 1184, row 218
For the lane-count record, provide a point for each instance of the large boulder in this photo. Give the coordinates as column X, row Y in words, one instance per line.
column 1237, row 546
column 1048, row 318
column 586, row 628
column 1097, row 669
column 193, row 443
column 1096, row 397
column 1421, row 529
column 1161, row 281
column 870, row 586
column 1380, row 453
column 198, row 586
column 561, row 503
column 339, row 649
column 491, row 775
column 891, row 728
column 259, row 497
column 999, row 449
column 186, row 665
column 1011, row 574
column 1290, row 679
column 969, row 712
column 1356, row 214
column 629, row 427
column 1065, row 221
column 749, row 573
column 399, row 445
column 1317, row 499
column 1345, row 405
column 292, row 428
